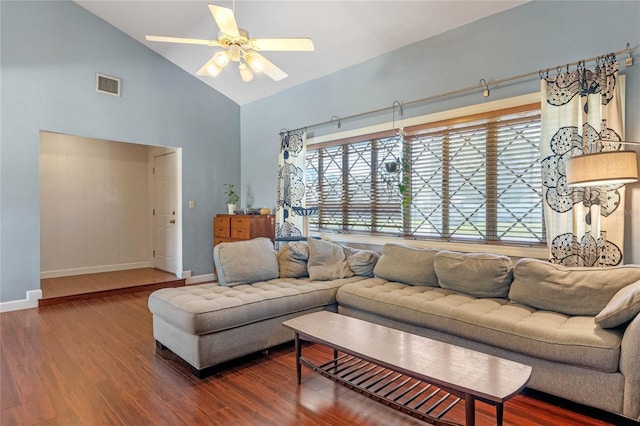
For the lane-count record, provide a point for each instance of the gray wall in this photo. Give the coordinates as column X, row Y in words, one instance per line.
column 521, row 40
column 50, row 53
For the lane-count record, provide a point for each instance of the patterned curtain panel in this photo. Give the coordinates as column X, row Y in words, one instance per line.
column 585, row 226
column 291, row 185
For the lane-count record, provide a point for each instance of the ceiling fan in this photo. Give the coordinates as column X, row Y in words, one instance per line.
column 238, row 47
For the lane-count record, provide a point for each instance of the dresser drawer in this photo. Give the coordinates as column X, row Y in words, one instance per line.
column 240, row 222
column 222, row 232
column 241, row 233
column 224, row 221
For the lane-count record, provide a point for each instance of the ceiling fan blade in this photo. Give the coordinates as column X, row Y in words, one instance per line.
column 225, row 20
column 182, row 40
column 268, row 68
column 283, row 44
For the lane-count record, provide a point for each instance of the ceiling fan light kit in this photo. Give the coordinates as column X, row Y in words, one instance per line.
column 245, row 73
column 213, row 69
column 238, row 47
column 221, row 58
column 254, row 62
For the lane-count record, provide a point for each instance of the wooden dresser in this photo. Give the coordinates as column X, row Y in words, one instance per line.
column 240, row 227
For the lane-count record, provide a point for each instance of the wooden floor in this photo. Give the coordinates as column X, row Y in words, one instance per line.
column 89, row 286
column 94, row 362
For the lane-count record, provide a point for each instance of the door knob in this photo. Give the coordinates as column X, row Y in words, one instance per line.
column 172, row 221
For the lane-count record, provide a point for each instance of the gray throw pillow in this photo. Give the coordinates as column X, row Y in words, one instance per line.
column 327, row 261
column 292, row 260
column 362, row 262
column 407, row 265
column 243, row 262
column 477, row 274
column 623, row 307
column 568, row 290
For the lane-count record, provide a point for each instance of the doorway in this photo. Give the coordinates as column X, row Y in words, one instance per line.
column 96, row 206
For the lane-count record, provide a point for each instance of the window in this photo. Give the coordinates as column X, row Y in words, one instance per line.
column 473, row 178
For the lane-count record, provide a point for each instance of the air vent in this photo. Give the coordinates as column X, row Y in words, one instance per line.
column 107, row 84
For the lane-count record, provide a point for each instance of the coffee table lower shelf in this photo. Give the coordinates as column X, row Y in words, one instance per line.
column 406, row 394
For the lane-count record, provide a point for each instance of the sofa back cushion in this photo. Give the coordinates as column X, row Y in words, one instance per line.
column 477, row 274
column 407, row 265
column 243, row 262
column 568, row 290
column 292, row 259
column 327, row 261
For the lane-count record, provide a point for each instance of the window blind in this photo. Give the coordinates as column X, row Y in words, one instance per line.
column 469, row 178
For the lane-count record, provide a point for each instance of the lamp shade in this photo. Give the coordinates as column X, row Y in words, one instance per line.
column 603, row 168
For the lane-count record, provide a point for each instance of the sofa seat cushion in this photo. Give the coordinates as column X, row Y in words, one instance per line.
column 498, row 322
column 207, row 308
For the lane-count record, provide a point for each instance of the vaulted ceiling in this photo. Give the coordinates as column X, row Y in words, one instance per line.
column 344, row 33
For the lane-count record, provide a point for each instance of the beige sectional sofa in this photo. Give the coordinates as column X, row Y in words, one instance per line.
column 578, row 328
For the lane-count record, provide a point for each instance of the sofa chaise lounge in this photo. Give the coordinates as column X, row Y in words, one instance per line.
column 579, row 328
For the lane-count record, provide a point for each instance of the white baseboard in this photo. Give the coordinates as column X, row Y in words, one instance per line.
column 198, row 279
column 34, row 295
column 186, row 274
column 95, row 269
column 30, row 302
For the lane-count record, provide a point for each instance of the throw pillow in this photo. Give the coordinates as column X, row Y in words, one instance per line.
column 362, row 262
column 292, row 260
column 477, row 274
column 623, row 307
column 407, row 265
column 327, row 261
column 243, row 262
column 568, row 290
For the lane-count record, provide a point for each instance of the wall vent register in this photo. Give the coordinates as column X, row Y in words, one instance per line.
column 107, row 84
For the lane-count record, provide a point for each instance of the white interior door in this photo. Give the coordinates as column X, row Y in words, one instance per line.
column 165, row 212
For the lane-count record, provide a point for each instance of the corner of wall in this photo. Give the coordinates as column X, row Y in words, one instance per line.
column 15, row 305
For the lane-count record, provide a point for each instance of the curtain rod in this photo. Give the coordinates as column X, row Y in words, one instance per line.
column 482, row 85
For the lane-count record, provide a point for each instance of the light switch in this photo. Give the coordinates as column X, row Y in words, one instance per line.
column 192, row 204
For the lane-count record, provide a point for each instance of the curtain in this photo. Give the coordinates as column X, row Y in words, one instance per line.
column 291, row 184
column 582, row 112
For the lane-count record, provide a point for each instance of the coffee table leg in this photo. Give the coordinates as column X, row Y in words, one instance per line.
column 470, row 410
column 298, row 354
column 499, row 413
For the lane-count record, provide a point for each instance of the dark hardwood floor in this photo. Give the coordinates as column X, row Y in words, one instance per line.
column 92, row 286
column 94, row 362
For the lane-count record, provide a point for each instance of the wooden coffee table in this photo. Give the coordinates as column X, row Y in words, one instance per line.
column 410, row 373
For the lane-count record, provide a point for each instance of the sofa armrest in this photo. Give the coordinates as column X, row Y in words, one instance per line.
column 629, row 363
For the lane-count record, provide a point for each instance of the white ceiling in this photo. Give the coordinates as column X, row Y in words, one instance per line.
column 345, row 33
